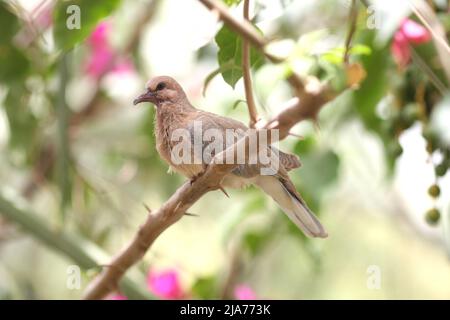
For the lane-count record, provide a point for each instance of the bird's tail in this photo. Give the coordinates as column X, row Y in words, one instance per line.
column 285, row 195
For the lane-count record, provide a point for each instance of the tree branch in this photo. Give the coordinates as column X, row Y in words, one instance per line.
column 311, row 98
column 246, row 73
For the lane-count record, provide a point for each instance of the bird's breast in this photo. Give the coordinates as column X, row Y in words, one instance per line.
column 178, row 153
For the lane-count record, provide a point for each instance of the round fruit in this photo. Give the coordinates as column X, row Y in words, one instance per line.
column 434, row 191
column 432, row 216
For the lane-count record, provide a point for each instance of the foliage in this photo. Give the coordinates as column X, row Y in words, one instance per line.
column 92, row 13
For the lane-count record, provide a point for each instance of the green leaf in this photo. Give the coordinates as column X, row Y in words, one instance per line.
column 205, row 287
column 231, row 2
column 91, row 12
column 230, row 56
column 336, row 55
column 23, row 124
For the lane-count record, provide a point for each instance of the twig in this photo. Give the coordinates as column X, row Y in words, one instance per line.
column 246, row 73
column 351, row 31
column 63, row 144
column 235, row 266
column 247, row 31
column 312, row 98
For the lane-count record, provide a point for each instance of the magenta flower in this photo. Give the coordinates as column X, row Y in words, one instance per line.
column 410, row 32
column 244, row 292
column 102, row 58
column 99, row 37
column 99, row 62
column 165, row 284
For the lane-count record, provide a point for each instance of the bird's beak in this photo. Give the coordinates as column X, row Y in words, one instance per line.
column 145, row 97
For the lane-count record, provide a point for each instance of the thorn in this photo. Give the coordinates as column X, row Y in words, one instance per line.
column 147, row 207
column 223, row 190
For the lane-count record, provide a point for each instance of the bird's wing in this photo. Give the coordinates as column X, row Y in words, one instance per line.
column 213, row 121
column 276, row 184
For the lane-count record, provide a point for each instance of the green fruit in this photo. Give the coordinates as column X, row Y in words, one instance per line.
column 434, row 191
column 432, row 216
column 441, row 169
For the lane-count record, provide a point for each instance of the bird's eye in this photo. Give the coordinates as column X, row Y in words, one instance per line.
column 160, row 86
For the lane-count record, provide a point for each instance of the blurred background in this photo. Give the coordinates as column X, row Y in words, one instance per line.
column 78, row 160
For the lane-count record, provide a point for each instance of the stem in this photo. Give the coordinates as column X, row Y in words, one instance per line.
column 246, row 73
column 351, row 31
column 63, row 138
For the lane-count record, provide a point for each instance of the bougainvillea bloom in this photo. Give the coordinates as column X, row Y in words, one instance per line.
column 165, row 284
column 244, row 292
column 410, row 32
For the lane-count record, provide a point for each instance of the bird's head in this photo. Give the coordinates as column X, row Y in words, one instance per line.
column 161, row 89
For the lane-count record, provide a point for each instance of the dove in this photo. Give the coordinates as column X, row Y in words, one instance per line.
column 175, row 115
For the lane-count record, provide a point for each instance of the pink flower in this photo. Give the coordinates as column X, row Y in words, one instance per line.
column 410, row 32
column 165, row 284
column 99, row 62
column 102, row 58
column 116, row 297
column 244, row 292
column 99, row 37
column 123, row 66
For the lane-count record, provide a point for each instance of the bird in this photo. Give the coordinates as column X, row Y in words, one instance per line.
column 174, row 114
